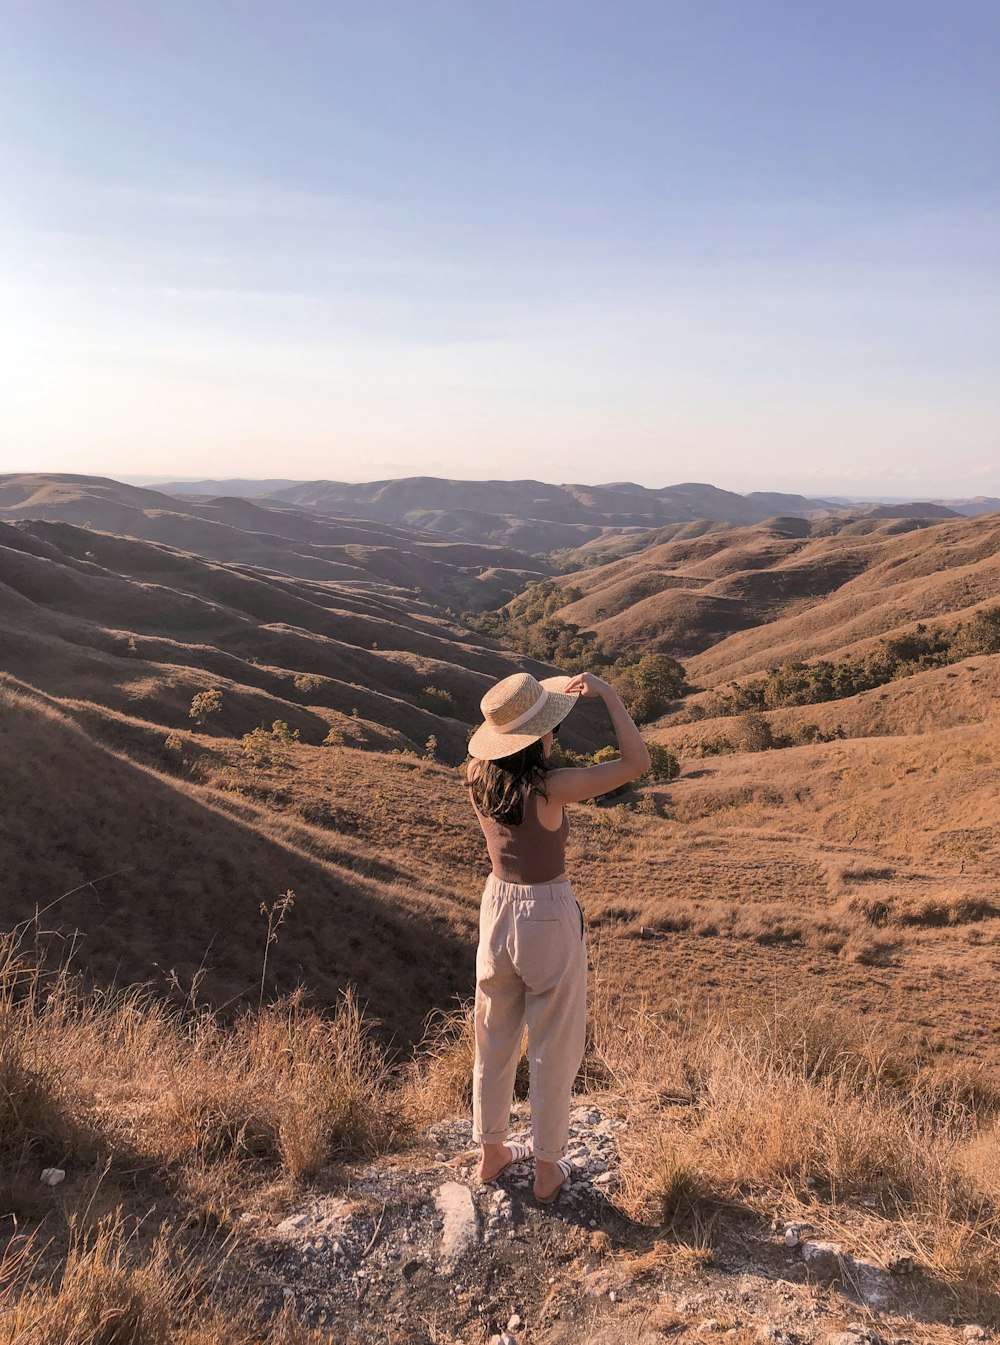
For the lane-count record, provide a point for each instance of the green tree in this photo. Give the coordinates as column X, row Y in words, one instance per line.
column 204, row 704
column 649, row 686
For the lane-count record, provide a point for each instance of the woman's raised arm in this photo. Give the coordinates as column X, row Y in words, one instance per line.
column 571, row 784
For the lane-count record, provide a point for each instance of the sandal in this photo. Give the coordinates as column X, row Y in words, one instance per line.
column 518, row 1153
column 565, row 1167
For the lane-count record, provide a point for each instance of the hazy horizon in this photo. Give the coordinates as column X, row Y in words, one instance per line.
column 660, row 242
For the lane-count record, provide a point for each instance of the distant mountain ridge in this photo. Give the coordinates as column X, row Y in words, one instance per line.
column 539, row 516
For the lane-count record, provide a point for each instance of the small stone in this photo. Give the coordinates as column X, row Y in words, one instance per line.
column 515, row 1322
column 52, row 1176
column 973, row 1332
column 709, row 1324
column 613, row 1296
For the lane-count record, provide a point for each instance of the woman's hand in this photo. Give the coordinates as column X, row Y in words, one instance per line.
column 585, row 684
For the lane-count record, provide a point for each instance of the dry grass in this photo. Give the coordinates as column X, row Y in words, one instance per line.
column 439, row 1078
column 88, row 1073
column 727, row 1102
column 114, row 1289
column 213, row 1108
column 736, row 1102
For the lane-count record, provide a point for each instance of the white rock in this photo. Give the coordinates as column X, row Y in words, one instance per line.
column 816, row 1251
column 515, row 1322
column 459, row 1221
column 972, row 1332
column 53, row 1176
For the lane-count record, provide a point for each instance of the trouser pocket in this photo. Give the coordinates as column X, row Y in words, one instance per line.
column 580, row 909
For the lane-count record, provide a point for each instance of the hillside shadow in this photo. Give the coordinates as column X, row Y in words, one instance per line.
column 163, row 885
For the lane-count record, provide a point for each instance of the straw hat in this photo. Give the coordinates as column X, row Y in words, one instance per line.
column 518, row 711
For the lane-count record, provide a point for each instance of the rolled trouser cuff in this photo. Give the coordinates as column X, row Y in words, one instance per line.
column 490, row 1137
column 548, row 1155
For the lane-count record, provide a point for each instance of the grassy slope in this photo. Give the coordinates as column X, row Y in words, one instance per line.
column 734, row 601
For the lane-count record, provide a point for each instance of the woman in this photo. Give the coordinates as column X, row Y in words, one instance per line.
column 531, row 964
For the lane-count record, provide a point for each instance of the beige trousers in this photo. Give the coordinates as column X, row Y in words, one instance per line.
column 531, row 966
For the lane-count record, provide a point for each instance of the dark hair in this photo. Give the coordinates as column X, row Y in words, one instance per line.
column 499, row 788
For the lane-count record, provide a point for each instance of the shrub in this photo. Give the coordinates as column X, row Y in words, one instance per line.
column 753, row 734
column 663, row 764
column 307, row 682
column 266, row 751
column 437, row 702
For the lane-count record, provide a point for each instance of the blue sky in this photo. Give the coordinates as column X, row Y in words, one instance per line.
column 753, row 242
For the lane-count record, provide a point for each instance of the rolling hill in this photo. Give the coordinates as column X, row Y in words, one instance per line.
column 731, row 601
column 351, row 552
column 158, row 838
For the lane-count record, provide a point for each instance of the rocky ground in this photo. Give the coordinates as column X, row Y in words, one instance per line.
column 417, row 1250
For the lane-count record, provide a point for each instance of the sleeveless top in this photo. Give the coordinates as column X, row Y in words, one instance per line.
column 529, row 853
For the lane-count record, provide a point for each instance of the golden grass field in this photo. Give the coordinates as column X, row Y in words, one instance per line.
column 812, row 932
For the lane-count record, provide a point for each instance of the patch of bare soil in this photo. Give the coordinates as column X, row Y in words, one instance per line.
column 418, row 1250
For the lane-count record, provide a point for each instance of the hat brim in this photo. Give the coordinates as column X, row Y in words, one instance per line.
column 488, row 744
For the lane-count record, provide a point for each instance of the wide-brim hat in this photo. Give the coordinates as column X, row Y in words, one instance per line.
column 518, row 711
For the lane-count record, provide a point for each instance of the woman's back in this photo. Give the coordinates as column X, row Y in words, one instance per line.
column 529, row 852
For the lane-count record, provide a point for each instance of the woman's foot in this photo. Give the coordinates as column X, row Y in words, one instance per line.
column 496, row 1157
column 549, row 1177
